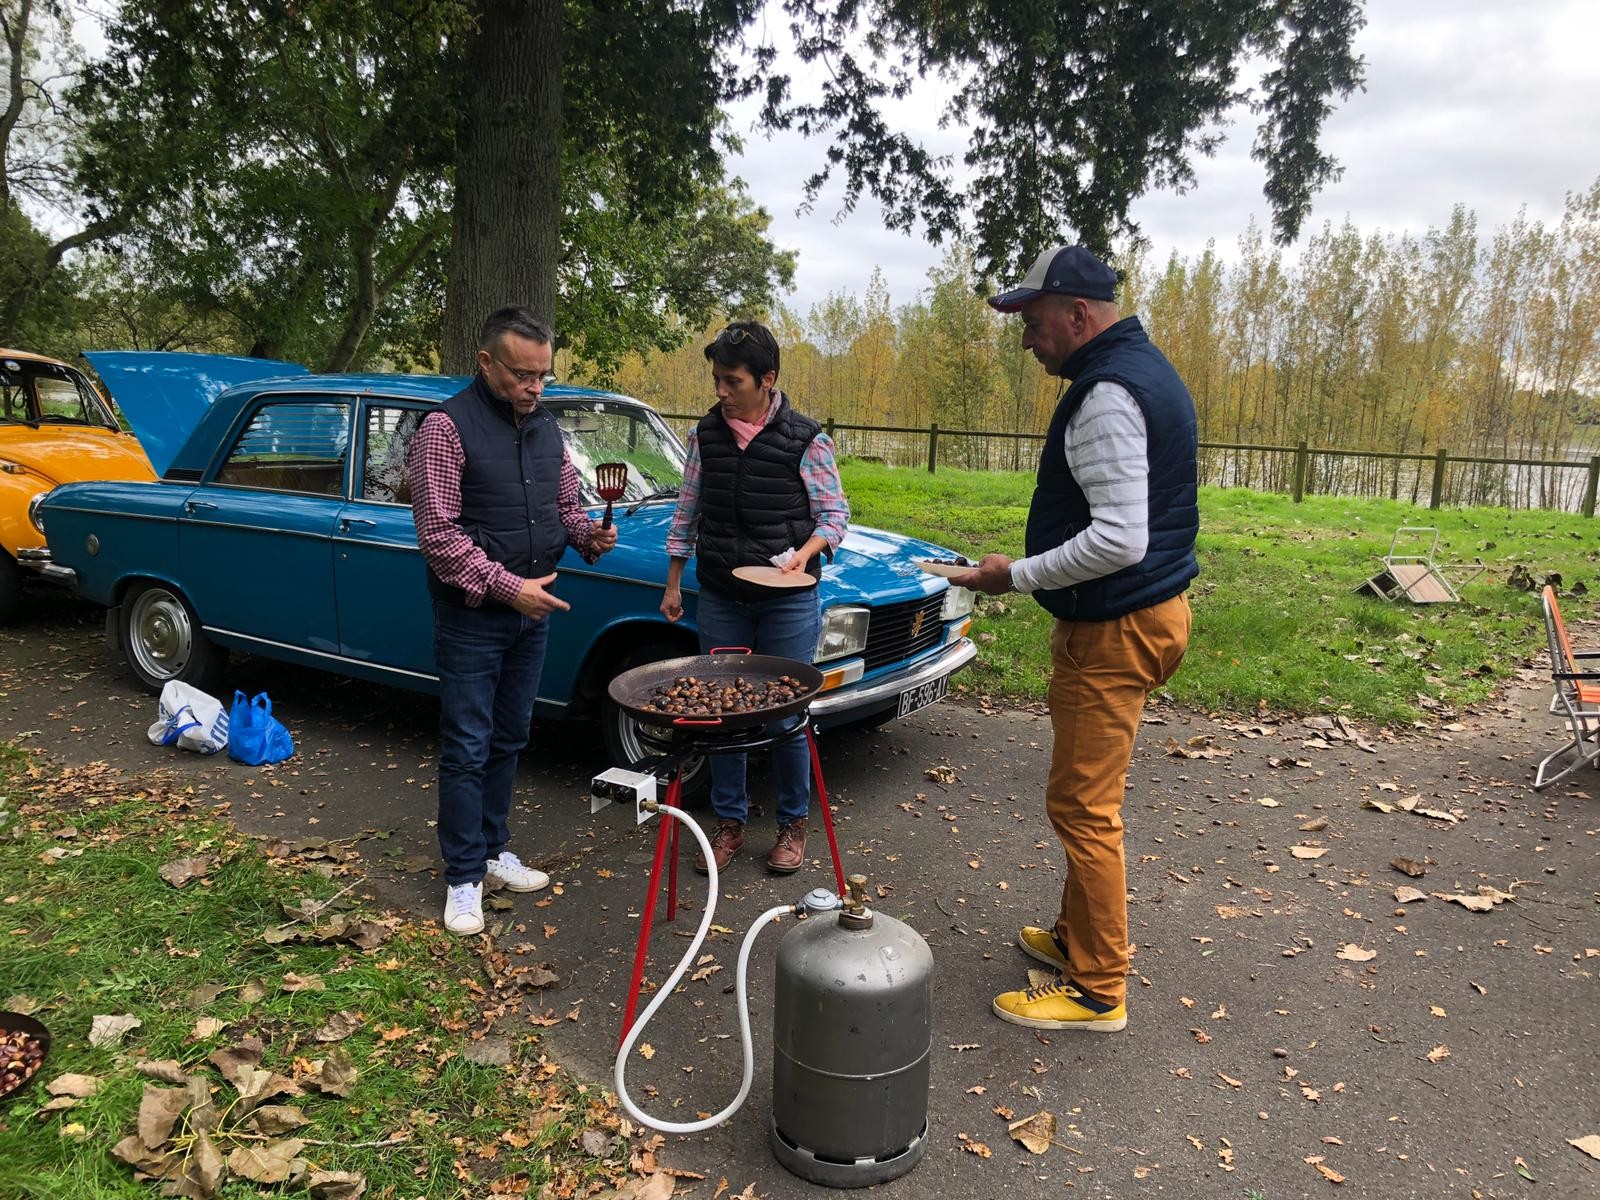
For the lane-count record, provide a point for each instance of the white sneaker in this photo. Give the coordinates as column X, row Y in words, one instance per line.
column 509, row 872
column 463, row 908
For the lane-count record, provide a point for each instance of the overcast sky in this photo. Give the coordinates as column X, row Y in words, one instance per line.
column 1479, row 102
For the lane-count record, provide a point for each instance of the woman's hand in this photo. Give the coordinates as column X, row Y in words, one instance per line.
column 672, row 603
column 796, row 565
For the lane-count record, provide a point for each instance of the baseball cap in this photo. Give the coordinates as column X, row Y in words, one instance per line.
column 1064, row 270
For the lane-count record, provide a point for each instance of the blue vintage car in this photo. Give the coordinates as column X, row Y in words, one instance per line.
column 280, row 526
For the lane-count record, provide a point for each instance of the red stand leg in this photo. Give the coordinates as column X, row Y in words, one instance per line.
column 827, row 813
column 672, row 862
column 647, row 918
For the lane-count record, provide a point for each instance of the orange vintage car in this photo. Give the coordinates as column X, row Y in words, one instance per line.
column 54, row 428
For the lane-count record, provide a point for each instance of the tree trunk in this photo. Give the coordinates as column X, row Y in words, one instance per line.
column 507, row 219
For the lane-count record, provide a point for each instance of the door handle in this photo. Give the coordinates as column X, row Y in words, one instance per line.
column 194, row 506
column 346, row 524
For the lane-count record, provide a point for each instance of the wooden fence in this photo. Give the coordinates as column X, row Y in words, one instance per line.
column 1568, row 484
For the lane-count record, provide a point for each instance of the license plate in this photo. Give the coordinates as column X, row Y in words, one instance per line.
column 923, row 695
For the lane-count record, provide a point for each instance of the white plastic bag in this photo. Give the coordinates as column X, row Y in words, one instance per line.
column 190, row 719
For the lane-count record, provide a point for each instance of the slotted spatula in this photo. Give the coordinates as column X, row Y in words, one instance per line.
column 611, row 480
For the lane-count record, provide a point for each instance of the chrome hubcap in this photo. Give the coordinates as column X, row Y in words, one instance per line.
column 159, row 634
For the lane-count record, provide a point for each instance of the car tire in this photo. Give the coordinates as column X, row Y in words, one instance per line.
column 162, row 640
column 10, row 588
column 627, row 739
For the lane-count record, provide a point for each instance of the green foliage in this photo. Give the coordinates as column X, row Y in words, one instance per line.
column 1077, row 109
column 1276, row 622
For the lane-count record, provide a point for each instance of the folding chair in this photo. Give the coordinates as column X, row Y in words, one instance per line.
column 1415, row 575
column 1577, row 698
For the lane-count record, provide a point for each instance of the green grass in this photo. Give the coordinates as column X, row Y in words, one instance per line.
column 1277, row 626
column 103, row 933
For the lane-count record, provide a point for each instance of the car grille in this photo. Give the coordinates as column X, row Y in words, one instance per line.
column 901, row 630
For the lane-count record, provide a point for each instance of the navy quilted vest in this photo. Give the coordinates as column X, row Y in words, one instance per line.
column 1123, row 354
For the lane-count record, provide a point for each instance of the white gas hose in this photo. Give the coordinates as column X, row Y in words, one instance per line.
column 665, row 990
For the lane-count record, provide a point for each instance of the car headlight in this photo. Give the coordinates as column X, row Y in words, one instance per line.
column 844, row 631
column 958, row 602
column 33, row 511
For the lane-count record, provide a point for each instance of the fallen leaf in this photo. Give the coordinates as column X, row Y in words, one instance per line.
column 337, row 1185
column 206, row 1028
column 339, row 1026
column 303, row 983
column 1485, row 900
column 1354, row 953
column 273, row 1119
column 159, row 1110
column 1329, row 1173
column 336, row 1073
column 977, row 1148
column 1409, row 866
column 110, row 1030
column 1382, row 806
column 1435, row 1010
column 1230, row 1080
column 1308, row 851
column 265, row 1162
column 181, row 871
column 81, row 1086
column 1268, row 802
column 1405, row 894
column 647, row 1051
column 1589, row 1144
column 1438, row 1053
column 1034, row 1133
column 596, row 1143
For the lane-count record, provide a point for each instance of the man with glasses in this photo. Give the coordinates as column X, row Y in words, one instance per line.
column 496, row 502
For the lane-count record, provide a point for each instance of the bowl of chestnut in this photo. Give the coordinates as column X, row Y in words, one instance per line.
column 24, row 1043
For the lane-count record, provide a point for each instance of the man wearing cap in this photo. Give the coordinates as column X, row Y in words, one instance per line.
column 1110, row 553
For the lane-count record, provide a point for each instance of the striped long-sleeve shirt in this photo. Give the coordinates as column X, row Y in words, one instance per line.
column 1107, row 454
column 434, row 464
column 818, row 472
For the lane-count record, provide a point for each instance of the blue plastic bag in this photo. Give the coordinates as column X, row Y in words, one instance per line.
column 255, row 736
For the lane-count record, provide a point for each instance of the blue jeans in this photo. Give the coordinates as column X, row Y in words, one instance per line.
column 786, row 626
column 489, row 662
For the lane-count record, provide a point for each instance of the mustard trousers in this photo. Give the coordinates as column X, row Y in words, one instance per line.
column 1101, row 673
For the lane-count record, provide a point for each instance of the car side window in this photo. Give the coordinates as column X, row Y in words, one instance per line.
column 383, row 459
column 61, row 400
column 292, row 446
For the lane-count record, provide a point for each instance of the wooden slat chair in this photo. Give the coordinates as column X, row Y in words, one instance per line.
column 1577, row 699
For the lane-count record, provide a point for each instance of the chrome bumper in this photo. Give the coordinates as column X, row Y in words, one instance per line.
column 837, row 707
column 38, row 559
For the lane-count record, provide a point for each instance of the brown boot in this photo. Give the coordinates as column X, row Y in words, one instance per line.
column 788, row 855
column 725, row 843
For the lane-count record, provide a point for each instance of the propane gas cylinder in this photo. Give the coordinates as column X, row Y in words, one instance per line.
column 852, row 1036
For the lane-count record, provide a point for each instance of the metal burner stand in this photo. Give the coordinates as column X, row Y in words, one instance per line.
column 708, row 744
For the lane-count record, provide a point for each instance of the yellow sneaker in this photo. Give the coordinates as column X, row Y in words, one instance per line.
column 1059, row 1005
column 1042, row 944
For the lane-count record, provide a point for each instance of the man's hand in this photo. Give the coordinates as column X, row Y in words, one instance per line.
column 992, row 576
column 533, row 601
column 672, row 603
column 601, row 540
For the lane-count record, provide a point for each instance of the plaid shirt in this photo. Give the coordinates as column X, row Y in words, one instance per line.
column 818, row 472
column 434, row 466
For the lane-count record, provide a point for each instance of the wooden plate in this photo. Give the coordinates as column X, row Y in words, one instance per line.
column 946, row 570
column 773, row 577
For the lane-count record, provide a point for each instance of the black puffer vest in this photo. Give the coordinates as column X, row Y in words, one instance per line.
column 1123, row 354
column 509, row 486
column 753, row 503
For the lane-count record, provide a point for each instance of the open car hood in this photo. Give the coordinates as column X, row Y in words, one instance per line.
column 163, row 395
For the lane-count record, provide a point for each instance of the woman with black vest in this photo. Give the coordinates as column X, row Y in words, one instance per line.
column 760, row 488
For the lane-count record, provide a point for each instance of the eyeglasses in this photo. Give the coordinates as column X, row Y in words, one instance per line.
column 522, row 377
column 733, row 335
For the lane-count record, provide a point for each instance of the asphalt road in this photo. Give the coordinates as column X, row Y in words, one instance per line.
column 1254, row 1053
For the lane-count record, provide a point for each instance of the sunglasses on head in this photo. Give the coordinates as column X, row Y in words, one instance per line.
column 733, row 335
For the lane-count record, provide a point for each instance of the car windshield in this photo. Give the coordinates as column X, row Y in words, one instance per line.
column 621, row 433
column 48, row 393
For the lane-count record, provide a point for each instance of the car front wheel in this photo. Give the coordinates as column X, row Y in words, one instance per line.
column 162, row 640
